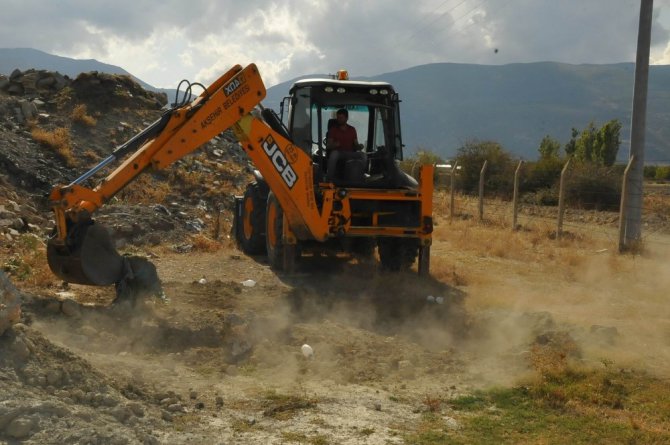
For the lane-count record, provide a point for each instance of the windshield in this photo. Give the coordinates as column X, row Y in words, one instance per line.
column 374, row 117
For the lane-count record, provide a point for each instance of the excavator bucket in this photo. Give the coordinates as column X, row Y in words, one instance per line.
column 88, row 257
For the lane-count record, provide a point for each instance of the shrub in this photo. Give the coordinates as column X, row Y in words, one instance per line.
column 543, row 174
column 80, row 114
column 500, row 170
column 411, row 164
column 594, row 187
column 662, row 173
column 58, row 140
column 542, row 197
column 650, row 172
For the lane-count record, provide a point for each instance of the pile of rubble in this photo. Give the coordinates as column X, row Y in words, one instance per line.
column 35, row 87
column 32, row 82
column 10, row 304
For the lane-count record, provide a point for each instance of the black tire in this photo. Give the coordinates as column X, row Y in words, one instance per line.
column 397, row 254
column 363, row 248
column 252, row 221
column 274, row 227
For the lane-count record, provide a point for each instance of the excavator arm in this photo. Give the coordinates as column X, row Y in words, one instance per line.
column 82, row 252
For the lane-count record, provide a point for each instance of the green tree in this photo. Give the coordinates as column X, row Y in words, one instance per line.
column 571, row 146
column 549, row 148
column 595, row 145
column 500, row 170
column 607, row 143
column 586, row 144
column 423, row 156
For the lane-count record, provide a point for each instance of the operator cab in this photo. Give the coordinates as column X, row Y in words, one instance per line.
column 373, row 111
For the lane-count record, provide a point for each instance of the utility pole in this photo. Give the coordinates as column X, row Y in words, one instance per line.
column 633, row 210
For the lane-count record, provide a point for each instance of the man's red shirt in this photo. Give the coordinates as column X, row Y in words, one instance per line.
column 344, row 135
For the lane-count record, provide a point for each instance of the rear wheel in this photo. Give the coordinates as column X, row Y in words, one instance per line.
column 363, row 249
column 397, row 254
column 252, row 221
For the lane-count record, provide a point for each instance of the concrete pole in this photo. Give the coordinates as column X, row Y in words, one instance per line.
column 561, row 198
column 452, row 204
column 482, row 178
column 515, row 198
column 622, row 207
column 633, row 210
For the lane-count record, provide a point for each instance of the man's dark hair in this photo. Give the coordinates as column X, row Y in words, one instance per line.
column 343, row 111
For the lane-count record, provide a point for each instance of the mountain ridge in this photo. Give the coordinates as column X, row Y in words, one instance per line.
column 446, row 104
column 27, row 58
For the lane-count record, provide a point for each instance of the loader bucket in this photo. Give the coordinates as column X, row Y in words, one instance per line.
column 89, row 257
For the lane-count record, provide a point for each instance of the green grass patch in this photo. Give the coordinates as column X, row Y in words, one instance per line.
column 285, row 406
column 576, row 407
column 317, row 439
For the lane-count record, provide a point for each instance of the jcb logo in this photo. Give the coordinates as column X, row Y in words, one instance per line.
column 279, row 161
column 233, row 85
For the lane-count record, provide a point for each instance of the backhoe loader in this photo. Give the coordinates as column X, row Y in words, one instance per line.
column 290, row 209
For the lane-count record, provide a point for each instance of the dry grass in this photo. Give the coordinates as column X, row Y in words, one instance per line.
column 444, row 269
column 91, row 156
column 202, row 243
column 433, row 404
column 145, row 190
column 494, row 238
column 59, row 140
column 657, row 204
column 281, row 406
column 80, row 115
column 194, row 179
column 27, row 262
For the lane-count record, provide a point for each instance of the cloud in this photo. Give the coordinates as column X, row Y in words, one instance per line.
column 163, row 42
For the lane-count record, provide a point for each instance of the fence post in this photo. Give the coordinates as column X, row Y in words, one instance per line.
column 561, row 198
column 482, row 176
column 452, row 206
column 515, row 199
column 624, row 204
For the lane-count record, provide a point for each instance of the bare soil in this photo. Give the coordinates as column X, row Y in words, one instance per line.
column 220, row 359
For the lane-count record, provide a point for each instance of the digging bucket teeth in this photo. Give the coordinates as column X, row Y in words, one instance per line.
column 87, row 257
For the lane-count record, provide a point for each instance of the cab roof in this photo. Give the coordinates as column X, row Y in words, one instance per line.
column 337, row 83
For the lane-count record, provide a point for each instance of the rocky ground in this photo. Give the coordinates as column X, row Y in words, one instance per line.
column 222, row 359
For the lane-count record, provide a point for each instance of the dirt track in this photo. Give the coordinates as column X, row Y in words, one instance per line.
column 221, row 362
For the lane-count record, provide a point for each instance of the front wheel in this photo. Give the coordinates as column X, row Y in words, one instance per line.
column 282, row 256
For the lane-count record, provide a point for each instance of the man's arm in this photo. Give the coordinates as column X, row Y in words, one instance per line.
column 356, row 146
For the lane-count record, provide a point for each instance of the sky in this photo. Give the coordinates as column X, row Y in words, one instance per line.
column 162, row 42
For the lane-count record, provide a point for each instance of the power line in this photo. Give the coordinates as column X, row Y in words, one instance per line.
column 436, row 18
column 454, row 29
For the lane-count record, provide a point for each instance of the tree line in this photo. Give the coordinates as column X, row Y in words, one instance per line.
column 594, row 180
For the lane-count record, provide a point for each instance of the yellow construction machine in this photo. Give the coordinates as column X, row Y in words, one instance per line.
column 289, row 209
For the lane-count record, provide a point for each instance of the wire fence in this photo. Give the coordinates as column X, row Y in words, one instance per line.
column 519, row 213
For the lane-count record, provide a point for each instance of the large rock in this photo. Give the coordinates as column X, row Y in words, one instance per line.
column 15, row 74
column 10, row 303
column 28, row 109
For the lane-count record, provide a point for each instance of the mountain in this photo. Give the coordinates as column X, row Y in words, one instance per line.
column 26, row 58
column 446, row 104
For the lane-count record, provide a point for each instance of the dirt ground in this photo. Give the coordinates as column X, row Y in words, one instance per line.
column 221, row 359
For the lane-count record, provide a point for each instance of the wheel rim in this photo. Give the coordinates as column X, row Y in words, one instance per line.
column 271, row 232
column 248, row 210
